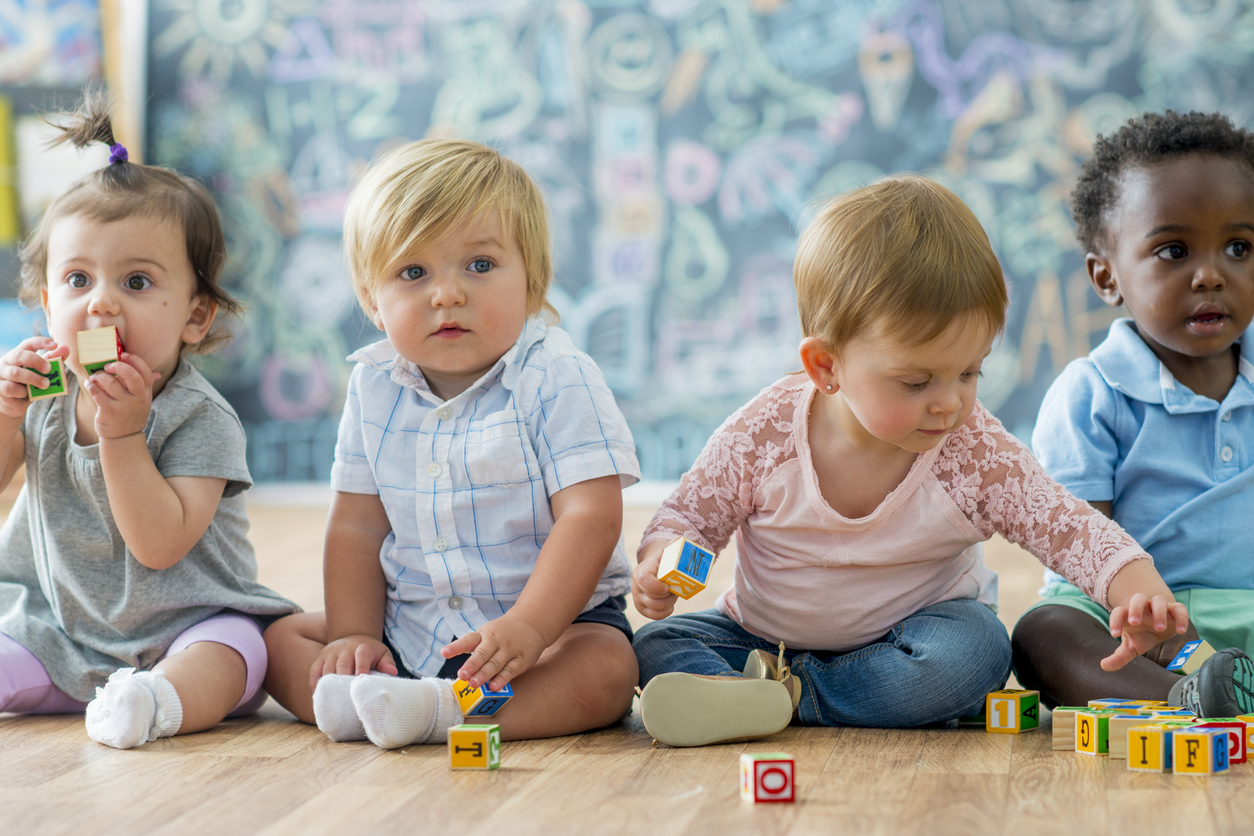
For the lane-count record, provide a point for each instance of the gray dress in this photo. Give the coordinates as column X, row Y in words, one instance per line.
column 70, row 591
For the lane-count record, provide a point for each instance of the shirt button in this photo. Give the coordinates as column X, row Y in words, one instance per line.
column 1226, row 454
column 434, row 470
column 455, row 603
column 444, row 413
column 1227, row 416
column 440, row 544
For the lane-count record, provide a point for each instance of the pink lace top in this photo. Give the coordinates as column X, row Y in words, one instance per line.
column 817, row 580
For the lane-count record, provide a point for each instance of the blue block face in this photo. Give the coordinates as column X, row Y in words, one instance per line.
column 491, row 702
column 1183, row 656
column 1221, row 750
column 695, row 562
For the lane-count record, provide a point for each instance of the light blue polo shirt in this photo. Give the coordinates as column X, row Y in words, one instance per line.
column 1178, row 466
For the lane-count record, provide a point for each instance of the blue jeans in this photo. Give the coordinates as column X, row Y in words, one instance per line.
column 935, row 665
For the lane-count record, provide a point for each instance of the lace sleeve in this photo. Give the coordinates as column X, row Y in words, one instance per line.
column 1000, row 487
column 717, row 494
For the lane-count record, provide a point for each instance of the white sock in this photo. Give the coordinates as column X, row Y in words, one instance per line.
column 334, row 710
column 133, row 709
column 397, row 712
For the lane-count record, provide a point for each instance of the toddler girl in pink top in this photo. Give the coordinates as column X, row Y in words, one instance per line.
column 860, row 492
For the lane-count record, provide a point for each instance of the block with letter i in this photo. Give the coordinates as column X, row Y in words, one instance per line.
column 56, row 382
column 98, row 348
column 1012, row 711
column 1149, row 748
column 1190, row 657
column 767, row 777
column 1199, row 751
column 480, row 702
column 473, row 746
column 685, row 568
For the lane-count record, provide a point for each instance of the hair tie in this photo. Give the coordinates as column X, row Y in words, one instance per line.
column 117, row 153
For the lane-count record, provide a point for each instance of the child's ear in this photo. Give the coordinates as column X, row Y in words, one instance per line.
column 1103, row 279
column 820, row 364
column 200, row 320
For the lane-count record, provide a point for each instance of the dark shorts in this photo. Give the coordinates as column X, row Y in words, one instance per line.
column 610, row 612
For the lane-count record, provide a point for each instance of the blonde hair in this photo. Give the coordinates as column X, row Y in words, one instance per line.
column 903, row 255
column 124, row 190
column 422, row 190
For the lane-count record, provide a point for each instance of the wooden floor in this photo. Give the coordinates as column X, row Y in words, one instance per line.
column 270, row 774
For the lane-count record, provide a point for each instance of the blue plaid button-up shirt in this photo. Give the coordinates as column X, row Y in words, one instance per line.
column 466, row 482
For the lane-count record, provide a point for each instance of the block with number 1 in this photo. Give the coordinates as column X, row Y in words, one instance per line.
column 1012, row 711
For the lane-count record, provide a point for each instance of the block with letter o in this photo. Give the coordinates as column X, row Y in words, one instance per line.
column 767, row 777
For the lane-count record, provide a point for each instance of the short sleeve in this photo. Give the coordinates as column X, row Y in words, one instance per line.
column 209, row 442
column 351, row 471
column 578, row 431
column 1075, row 439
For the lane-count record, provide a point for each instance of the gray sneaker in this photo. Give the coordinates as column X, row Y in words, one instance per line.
column 1222, row 687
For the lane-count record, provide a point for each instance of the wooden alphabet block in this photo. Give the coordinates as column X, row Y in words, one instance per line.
column 1149, row 748
column 1092, row 731
column 1199, row 751
column 1012, row 711
column 767, row 777
column 98, row 348
column 1248, row 719
column 56, row 382
column 1191, row 657
column 685, row 568
column 473, row 746
column 1236, row 735
column 1117, row 733
column 1063, row 732
column 480, row 702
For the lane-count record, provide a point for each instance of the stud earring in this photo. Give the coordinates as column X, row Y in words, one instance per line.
column 829, row 387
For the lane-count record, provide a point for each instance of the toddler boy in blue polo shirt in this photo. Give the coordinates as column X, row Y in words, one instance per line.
column 1155, row 427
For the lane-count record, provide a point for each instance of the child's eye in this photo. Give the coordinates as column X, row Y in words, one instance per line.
column 914, row 386
column 480, row 265
column 138, row 282
column 78, row 280
column 413, row 274
column 1238, row 249
column 973, row 374
column 1172, row 252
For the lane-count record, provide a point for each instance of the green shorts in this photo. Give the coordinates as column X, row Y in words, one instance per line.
column 1224, row 617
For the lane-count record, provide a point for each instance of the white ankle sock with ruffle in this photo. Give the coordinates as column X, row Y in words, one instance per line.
column 134, row 708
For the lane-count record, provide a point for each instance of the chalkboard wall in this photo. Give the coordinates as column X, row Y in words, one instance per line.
column 680, row 144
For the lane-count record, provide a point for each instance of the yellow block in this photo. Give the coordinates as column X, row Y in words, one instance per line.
column 474, row 746
column 1194, row 753
column 10, row 226
column 1012, row 711
column 1149, row 749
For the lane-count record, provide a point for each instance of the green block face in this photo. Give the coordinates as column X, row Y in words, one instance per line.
column 92, row 368
column 1030, row 712
column 56, row 382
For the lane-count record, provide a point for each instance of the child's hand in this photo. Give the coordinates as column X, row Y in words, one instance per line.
column 653, row 599
column 1143, row 623
column 122, row 391
column 350, row 656
column 499, row 651
column 16, row 373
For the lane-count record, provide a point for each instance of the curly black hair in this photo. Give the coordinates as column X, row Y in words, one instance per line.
column 1143, row 141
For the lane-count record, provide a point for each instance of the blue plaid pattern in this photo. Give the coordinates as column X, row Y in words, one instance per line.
column 466, row 482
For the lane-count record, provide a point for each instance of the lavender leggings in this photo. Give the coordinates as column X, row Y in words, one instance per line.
column 26, row 689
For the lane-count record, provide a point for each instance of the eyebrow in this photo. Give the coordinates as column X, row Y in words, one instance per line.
column 489, row 240
column 1159, row 230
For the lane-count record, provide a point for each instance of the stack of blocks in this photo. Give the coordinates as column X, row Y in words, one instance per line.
column 685, row 567
column 767, row 777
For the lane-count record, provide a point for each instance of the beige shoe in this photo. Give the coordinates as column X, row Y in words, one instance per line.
column 685, row 709
column 762, row 665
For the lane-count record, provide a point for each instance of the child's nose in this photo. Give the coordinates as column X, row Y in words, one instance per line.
column 948, row 401
column 1208, row 276
column 447, row 292
column 103, row 301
